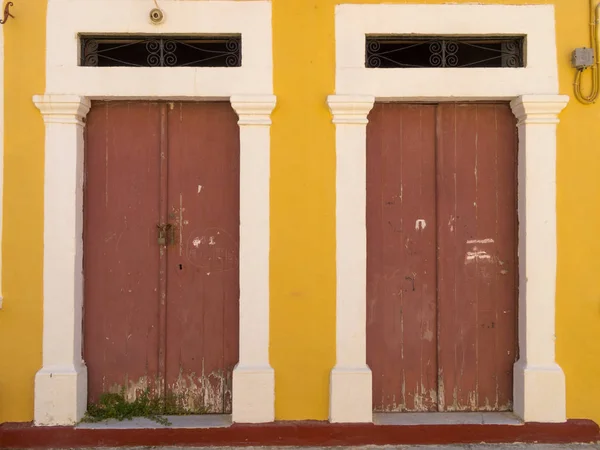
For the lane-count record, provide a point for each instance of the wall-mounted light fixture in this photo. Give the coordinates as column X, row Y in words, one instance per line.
column 7, row 13
column 157, row 15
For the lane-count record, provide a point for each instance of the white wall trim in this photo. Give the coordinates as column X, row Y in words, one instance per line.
column 539, row 391
column 351, row 377
column 253, row 377
column 61, row 384
column 536, row 22
column 539, row 384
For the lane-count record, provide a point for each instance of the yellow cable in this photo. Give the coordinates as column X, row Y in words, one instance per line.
column 594, row 14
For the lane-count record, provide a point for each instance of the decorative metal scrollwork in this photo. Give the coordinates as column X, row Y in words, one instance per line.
column 7, row 13
column 437, row 51
column 161, row 51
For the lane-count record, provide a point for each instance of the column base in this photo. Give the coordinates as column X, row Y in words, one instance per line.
column 253, row 394
column 539, row 393
column 60, row 395
column 351, row 395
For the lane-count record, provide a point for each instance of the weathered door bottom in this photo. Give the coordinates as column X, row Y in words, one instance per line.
column 441, row 256
column 161, row 240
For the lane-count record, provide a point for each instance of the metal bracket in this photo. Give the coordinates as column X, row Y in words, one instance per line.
column 7, row 13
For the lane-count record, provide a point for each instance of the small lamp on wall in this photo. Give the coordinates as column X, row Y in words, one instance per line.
column 157, row 15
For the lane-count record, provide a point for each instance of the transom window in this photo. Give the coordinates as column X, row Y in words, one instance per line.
column 443, row 51
column 161, row 51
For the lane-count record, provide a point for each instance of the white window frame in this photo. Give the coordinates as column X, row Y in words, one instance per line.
column 61, row 384
column 539, row 383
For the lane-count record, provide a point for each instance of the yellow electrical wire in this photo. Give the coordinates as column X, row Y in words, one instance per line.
column 593, row 96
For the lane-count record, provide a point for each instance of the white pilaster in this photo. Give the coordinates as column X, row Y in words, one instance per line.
column 351, row 381
column 253, row 377
column 61, row 384
column 539, row 391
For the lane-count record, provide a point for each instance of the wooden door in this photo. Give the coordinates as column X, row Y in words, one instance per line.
column 441, row 256
column 121, row 264
column 203, row 287
column 477, row 256
column 401, row 283
column 162, row 316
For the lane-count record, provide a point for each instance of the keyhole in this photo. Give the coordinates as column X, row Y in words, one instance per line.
column 180, row 267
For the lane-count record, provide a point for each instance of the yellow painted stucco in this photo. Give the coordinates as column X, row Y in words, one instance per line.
column 23, row 210
column 303, row 220
column 302, row 212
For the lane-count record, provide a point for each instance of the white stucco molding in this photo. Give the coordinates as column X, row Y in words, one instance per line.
column 351, row 380
column 350, row 109
column 61, row 384
column 539, row 388
column 69, row 18
column 253, row 376
column 539, row 383
column 65, row 109
column 253, row 109
column 535, row 22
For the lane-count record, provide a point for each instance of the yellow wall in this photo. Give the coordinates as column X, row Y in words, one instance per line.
column 302, row 213
column 21, row 316
column 303, row 219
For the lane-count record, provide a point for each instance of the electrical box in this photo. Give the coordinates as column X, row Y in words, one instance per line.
column 582, row 58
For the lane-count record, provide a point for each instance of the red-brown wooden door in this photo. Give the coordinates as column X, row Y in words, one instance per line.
column 441, row 256
column 162, row 315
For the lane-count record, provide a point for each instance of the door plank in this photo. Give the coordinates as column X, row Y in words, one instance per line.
column 476, row 207
column 162, row 271
column 203, row 267
column 401, row 272
column 120, row 249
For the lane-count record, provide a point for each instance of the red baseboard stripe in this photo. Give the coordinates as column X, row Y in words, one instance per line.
column 19, row 435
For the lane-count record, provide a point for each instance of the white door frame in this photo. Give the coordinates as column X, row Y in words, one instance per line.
column 61, row 384
column 539, row 383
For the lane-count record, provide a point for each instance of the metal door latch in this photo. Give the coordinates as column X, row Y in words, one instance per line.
column 166, row 231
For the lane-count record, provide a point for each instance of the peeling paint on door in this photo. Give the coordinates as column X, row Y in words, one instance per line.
column 154, row 320
column 441, row 295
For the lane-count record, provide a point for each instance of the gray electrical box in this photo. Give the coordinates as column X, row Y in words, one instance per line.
column 582, row 58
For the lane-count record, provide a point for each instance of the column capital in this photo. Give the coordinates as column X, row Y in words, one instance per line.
column 68, row 109
column 253, row 109
column 350, row 109
column 538, row 109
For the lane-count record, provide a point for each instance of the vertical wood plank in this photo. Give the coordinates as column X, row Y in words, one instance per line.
column 122, row 157
column 401, row 273
column 507, row 278
column 162, row 275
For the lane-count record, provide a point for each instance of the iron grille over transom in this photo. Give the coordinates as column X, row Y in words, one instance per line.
column 161, row 51
column 439, row 51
